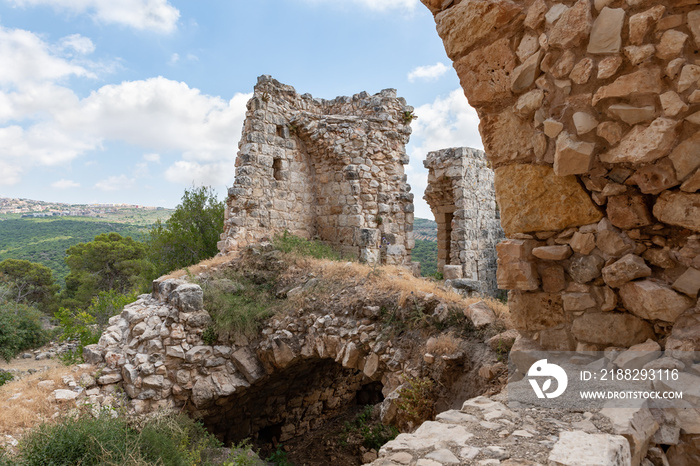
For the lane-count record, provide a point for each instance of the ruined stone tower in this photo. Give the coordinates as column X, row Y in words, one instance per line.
column 327, row 169
column 461, row 195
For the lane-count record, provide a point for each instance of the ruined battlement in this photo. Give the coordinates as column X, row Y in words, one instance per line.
column 326, row 169
column 461, row 195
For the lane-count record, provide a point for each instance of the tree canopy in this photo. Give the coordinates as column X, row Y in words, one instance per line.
column 110, row 262
column 190, row 234
column 29, row 283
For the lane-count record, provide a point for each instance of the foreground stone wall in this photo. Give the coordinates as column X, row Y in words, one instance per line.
column 331, row 169
column 589, row 114
column 460, row 193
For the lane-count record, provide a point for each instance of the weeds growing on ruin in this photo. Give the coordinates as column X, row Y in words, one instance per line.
column 238, row 310
column 374, row 434
column 416, row 401
column 292, row 244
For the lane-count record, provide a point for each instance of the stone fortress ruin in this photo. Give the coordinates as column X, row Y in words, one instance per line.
column 333, row 170
column 326, row 169
column 589, row 114
column 460, row 193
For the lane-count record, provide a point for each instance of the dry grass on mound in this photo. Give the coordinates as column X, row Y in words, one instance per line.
column 24, row 405
column 392, row 280
column 201, row 267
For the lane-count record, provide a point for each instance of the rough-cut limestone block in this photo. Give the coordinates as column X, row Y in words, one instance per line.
column 507, row 138
column 552, row 253
column 485, row 73
column 541, row 200
column 624, row 270
column 572, row 157
column 652, row 179
column 653, row 300
column 644, row 81
column 573, row 26
column 685, row 156
column 463, row 25
column 644, row 144
column 635, row 423
column 639, row 24
column 628, row 211
column 611, row 329
column 631, row 114
column 692, row 184
column 524, row 75
column 678, row 208
column 579, row 448
column 606, row 31
column 534, row 311
column 608, row 66
column 688, row 282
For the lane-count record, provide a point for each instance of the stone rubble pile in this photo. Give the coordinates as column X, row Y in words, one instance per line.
column 301, row 369
column 502, row 430
column 331, row 169
column 590, row 114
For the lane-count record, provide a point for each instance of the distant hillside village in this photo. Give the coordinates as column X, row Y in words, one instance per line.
column 35, row 209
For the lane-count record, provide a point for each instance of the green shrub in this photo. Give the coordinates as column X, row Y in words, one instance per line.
column 416, row 401
column 105, row 440
column 5, row 377
column 20, row 329
column 374, row 434
column 86, row 326
column 242, row 454
column 279, row 457
column 239, row 311
column 289, row 243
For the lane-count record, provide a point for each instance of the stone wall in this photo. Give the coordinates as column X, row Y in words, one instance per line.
column 327, row 169
column 589, row 114
column 460, row 193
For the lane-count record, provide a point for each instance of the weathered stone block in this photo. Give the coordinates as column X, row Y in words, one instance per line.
column 541, row 201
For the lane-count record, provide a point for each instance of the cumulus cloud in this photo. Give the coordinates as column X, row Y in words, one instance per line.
column 187, row 173
column 65, row 184
column 79, row 44
column 448, row 121
column 428, row 73
column 115, row 183
column 27, row 59
column 153, row 15
column 44, row 123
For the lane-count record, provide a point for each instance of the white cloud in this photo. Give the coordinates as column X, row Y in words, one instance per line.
column 187, row 173
column 174, row 58
column 65, row 184
column 446, row 122
column 27, row 59
column 428, row 73
column 80, row 44
column 154, row 15
column 44, row 123
column 115, row 183
column 152, row 157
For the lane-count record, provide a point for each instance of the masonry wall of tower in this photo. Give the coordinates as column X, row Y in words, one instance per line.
column 590, row 115
column 326, row 169
column 461, row 196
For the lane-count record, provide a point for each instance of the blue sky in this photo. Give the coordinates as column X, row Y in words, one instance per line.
column 135, row 100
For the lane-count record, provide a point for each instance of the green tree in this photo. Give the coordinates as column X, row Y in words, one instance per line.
column 190, row 234
column 110, row 262
column 29, row 283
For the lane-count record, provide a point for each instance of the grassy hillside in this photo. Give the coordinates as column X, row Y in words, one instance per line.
column 46, row 240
